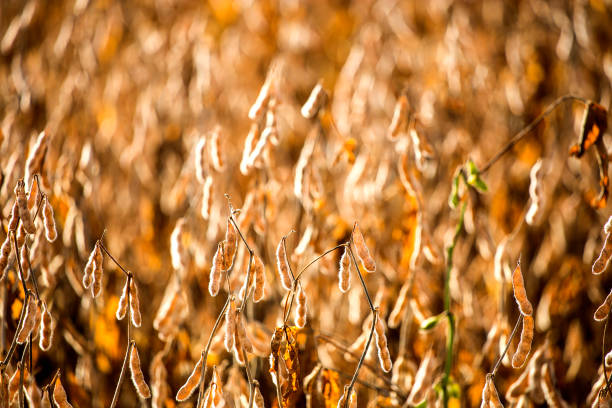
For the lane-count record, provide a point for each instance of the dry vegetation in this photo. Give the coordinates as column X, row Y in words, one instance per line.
column 312, row 204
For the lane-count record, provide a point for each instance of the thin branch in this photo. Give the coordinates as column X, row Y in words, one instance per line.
column 99, row 242
column 205, row 352
column 122, row 374
column 361, row 360
column 525, row 131
column 7, row 359
column 503, row 354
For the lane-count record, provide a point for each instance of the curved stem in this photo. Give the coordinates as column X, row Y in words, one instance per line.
column 361, row 360
column 127, row 273
column 503, row 354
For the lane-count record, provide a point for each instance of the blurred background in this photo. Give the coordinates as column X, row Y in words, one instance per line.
column 126, row 90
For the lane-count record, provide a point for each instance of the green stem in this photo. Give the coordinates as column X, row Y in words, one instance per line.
column 448, row 365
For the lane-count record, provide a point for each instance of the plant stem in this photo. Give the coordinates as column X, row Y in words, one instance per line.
column 122, row 374
column 525, row 131
column 448, row 364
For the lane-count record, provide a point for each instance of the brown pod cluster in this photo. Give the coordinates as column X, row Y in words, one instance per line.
column 524, row 347
column 603, row 311
column 22, row 204
column 49, row 221
column 400, row 114
column 192, row 382
column 260, row 279
column 344, row 273
column 301, row 308
column 520, row 294
column 362, row 250
column 230, row 325
column 135, row 304
column 123, row 302
column 315, row 102
column 29, row 319
column 384, row 356
column 46, row 329
column 602, row 261
column 137, row 377
column 283, row 265
column 230, row 245
column 216, row 271
column 60, row 399
column 551, row 395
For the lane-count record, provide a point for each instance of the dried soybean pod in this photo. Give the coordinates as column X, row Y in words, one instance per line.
column 5, row 251
column 486, row 393
column 524, row 347
column 135, row 304
column 262, row 99
column 258, row 401
column 400, row 306
column 362, row 250
column 4, row 390
column 49, row 221
column 25, row 265
column 601, row 263
column 207, row 197
column 22, row 205
column 192, row 382
column 96, row 287
column 33, row 194
column 123, row 302
column 260, row 279
column 46, row 402
column 215, row 149
column 214, row 283
column 137, row 377
column 14, row 220
column 230, row 325
column 13, row 385
column 21, row 236
column 241, row 337
column 231, row 243
column 382, row 347
column 344, row 273
column 400, row 113
column 28, row 320
column 553, row 399
column 46, row 329
column 301, row 308
column 283, row 265
column 315, row 101
column 200, row 164
column 535, row 193
column 603, row 311
column 520, row 294
column 494, row 402
column 89, row 267
column 60, row 399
